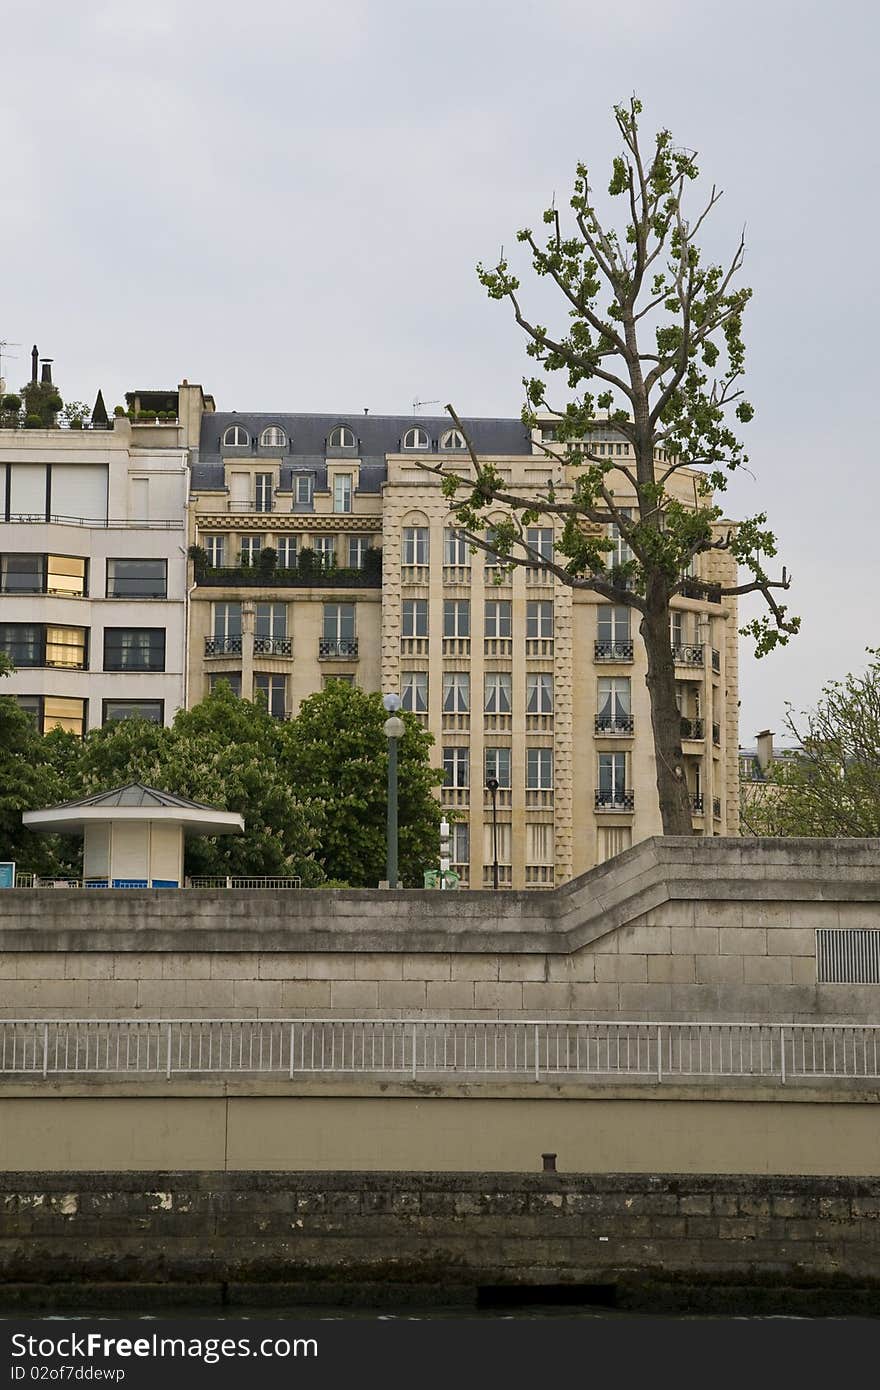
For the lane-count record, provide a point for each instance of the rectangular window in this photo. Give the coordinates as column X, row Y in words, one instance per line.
column 137, row 578
column 620, row 554
column 498, row 766
column 341, row 678
column 614, row 706
column 270, row 620
column 456, row 617
column 678, row 629
column 23, row 643
column 496, row 838
column 274, row 691
column 302, row 490
column 357, row 551
column 134, row 649
column 263, row 492
column 456, row 766
column 67, row 575
column 325, row 552
column 415, row 617
column 250, row 549
column 613, row 623
column 55, row 712
column 215, row 549
column 230, row 678
column 23, row 574
column 338, row 630
column 612, row 777
column 497, row 692
column 539, row 618
column 227, row 621
column 460, row 842
column 456, row 692
column 539, row 844
column 539, row 693
column 152, row 710
column 414, row 691
column 539, row 769
column 416, row 542
column 287, row 552
column 342, row 492
column 66, row 646
column 490, row 559
column 540, row 539
column 456, row 550
column 498, row 617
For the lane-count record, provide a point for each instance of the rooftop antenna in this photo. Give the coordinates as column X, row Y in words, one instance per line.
column 4, row 344
column 417, row 405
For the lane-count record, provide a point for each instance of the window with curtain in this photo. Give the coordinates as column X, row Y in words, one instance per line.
column 456, row 692
column 414, row 691
column 134, row 649
column 497, row 692
column 539, row 693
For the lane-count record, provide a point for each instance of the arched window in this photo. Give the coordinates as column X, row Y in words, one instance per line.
column 453, row 439
column 416, row 439
column 341, row 438
column 273, row 438
column 236, row 437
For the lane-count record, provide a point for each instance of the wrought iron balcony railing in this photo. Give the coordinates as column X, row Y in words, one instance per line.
column 222, row 646
column 337, row 648
column 687, row 654
column 613, row 651
column 614, row 799
column 692, row 728
column 697, row 803
column 273, row 646
column 619, row 726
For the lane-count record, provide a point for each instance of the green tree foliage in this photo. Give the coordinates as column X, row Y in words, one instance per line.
column 649, row 342
column 28, row 779
column 831, row 785
column 337, row 758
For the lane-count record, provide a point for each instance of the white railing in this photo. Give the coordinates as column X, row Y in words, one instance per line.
column 536, row 1049
column 196, row 881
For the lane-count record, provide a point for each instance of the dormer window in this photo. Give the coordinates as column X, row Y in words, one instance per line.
column 416, row 439
column 341, row 438
column 453, row 439
column 236, row 437
column 273, row 438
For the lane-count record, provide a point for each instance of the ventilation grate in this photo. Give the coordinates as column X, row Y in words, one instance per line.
column 848, row 957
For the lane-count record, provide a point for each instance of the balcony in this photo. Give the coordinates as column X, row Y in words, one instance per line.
column 498, row 646
column 414, row 574
column 454, row 796
column 611, row 726
column 243, row 505
column 687, row 654
column 539, row 798
column 457, row 574
column 503, row 799
column 613, row 651
column 692, row 728
column 540, row 876
column 497, row 723
column 539, row 579
column 694, row 588
column 413, row 646
column 539, row 723
column 337, row 649
column 222, row 646
column 716, row 807
column 613, row 799
column 303, row 577
column 539, row 646
column 456, row 646
column 505, row 875
column 454, row 722
column 716, row 735
column 697, row 805
column 273, row 646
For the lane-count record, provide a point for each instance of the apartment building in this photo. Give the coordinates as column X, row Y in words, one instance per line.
column 93, row 568
column 328, row 552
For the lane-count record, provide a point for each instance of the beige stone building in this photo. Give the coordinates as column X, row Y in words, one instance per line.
column 519, row 679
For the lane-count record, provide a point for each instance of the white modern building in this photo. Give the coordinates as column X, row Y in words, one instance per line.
column 93, row 571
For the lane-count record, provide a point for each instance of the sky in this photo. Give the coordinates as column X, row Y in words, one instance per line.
column 287, row 202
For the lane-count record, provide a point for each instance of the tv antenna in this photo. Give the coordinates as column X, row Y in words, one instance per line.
column 417, row 405
column 4, row 344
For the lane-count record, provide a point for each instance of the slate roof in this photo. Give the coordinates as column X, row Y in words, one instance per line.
column 377, row 435
column 135, row 794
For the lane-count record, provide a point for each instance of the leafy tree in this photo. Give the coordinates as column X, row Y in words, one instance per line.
column 337, row 759
column 831, row 784
column 41, row 404
column 651, row 344
column 28, row 780
column 225, row 752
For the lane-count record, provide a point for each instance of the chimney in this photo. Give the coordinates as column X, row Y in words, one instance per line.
column 764, row 740
column 46, row 374
column 35, row 355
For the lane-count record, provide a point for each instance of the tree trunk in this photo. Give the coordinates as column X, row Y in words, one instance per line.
column 676, row 811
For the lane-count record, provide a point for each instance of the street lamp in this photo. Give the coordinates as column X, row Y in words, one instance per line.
column 393, row 729
column 492, row 789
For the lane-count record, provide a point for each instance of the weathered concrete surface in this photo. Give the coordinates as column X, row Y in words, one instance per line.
column 701, row 929
column 369, row 1125
column 319, row 1232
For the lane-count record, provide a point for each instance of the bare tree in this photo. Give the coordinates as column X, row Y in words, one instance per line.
column 653, row 347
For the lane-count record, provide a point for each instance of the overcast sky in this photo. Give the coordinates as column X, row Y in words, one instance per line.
column 286, row 203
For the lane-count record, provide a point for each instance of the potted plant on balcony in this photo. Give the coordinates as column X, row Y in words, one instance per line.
column 267, row 562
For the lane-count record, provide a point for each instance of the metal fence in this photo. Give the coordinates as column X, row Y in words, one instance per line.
column 196, row 881
column 538, row 1049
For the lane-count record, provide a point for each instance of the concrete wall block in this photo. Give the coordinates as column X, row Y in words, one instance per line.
column 719, row 969
column 804, row 970
column 642, row 940
column 677, row 913
column 791, row 941
column 89, row 967
column 534, row 967
column 162, row 994
column 236, row 965
column 743, row 941
column 132, row 965
column 376, row 967
column 645, row 1000
column 577, row 968
column 767, row 970
column 112, row 995
column 449, row 994
column 181, row 966
column 671, row 969
column 491, row 995
column 281, row 967
column 257, row 994
column 44, row 995
column 330, row 967
column 627, row 968
column 696, row 941
column 210, row 994
column 50, row 966
column 475, row 967
column 306, row 994
column 425, row 966
column 403, row 994
column 354, row 995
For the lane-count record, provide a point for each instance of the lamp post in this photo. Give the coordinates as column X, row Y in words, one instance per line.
column 393, row 729
column 492, row 788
